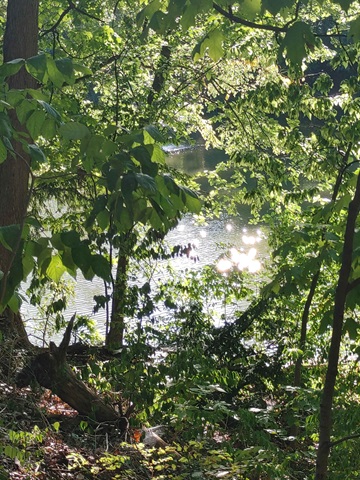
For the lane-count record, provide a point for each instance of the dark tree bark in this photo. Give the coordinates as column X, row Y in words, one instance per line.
column 20, row 41
column 342, row 288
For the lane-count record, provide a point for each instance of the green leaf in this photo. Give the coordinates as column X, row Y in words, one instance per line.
column 128, row 185
column 56, row 77
column 82, row 257
column 36, row 154
column 74, row 131
column 192, row 201
column 297, row 40
column 155, row 133
column 11, row 68
column 103, row 219
column 101, row 267
column 82, row 69
column 211, row 42
column 5, row 125
column 351, row 327
column 14, row 303
column 147, row 12
column 70, row 239
column 250, row 8
column 145, row 182
column 55, row 269
column 35, row 122
column 50, row 111
column 25, row 109
column 37, row 67
column 275, row 7
column 9, row 236
column 66, row 68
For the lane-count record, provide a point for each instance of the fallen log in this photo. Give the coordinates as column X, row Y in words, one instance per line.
column 51, row 370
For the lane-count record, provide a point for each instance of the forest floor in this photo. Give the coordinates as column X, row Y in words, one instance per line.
column 41, row 437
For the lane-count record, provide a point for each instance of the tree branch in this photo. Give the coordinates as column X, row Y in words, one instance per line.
column 344, row 439
column 235, row 19
column 57, row 23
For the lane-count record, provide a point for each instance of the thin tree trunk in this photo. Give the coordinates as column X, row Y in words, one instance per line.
column 315, row 279
column 20, row 41
column 338, row 320
column 304, row 323
column 115, row 338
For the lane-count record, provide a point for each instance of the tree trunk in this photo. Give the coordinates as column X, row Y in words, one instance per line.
column 338, row 320
column 115, row 337
column 51, row 371
column 20, row 41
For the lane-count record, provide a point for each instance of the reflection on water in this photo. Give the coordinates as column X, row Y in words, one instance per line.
column 193, row 160
column 246, row 243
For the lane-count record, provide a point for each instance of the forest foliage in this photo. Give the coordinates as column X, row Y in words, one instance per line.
column 272, row 392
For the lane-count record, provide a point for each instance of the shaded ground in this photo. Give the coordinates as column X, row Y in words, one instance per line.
column 41, row 437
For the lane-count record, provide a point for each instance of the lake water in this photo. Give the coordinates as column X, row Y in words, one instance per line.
column 248, row 242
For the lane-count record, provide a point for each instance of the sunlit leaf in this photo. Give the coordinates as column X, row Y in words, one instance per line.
column 55, row 269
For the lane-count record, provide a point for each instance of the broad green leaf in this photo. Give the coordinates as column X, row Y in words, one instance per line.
column 14, row 303
column 103, row 219
column 128, row 185
column 56, row 269
column 82, row 69
column 351, row 327
column 66, row 68
column 124, row 219
column 146, row 182
column 70, row 239
column 25, row 109
column 49, row 128
column 27, row 262
column 157, row 154
column 56, row 77
column 143, row 156
column 35, row 122
column 11, row 68
column 36, row 154
column 56, row 242
column 5, row 126
column 101, row 267
column 37, row 67
column 211, row 42
column 250, row 8
column 275, row 7
column 188, row 17
column 9, row 236
column 74, row 131
column 155, row 134
column 82, row 257
column 192, row 202
column 160, row 22
column 147, row 12
column 297, row 40
column 50, row 111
